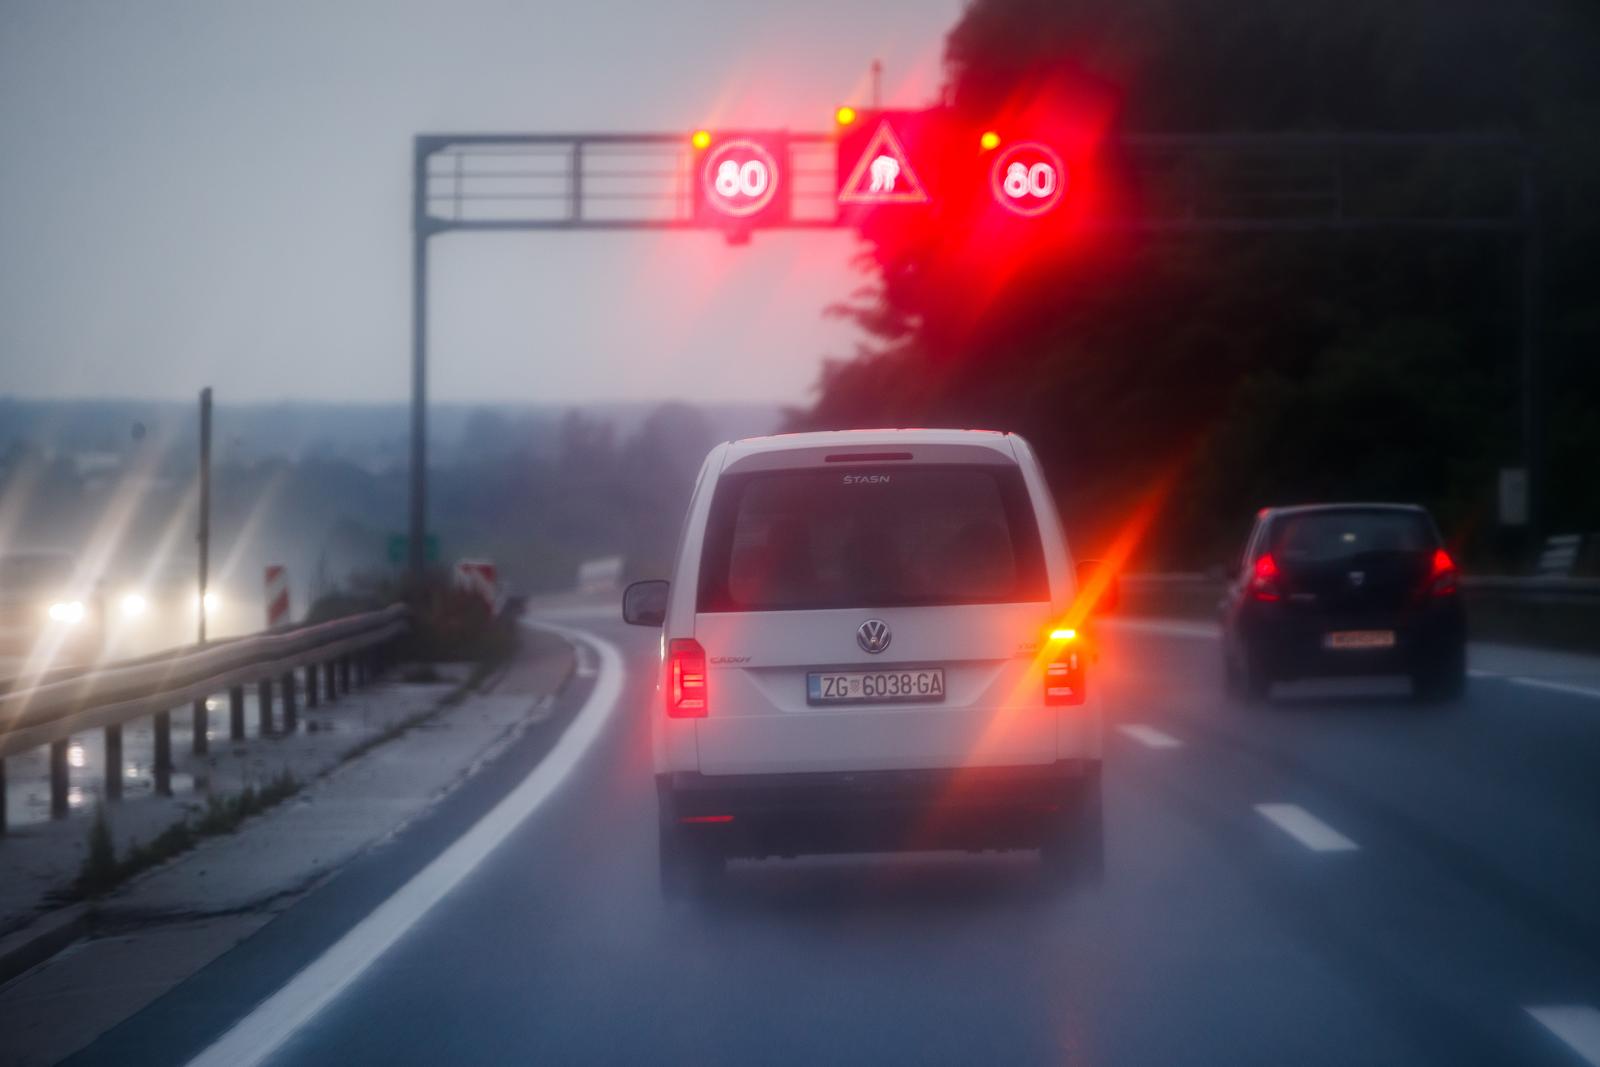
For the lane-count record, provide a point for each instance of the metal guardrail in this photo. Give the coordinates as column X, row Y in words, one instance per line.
column 50, row 709
column 1541, row 610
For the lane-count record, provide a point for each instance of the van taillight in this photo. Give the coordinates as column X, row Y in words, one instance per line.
column 1443, row 578
column 1064, row 675
column 686, row 679
column 1264, row 579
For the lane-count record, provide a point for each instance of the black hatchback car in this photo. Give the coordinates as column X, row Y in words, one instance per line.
column 1338, row 589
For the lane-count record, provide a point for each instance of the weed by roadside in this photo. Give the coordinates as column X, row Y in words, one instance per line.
column 102, row 871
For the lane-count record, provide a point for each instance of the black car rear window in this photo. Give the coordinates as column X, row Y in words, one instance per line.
column 1323, row 536
column 871, row 537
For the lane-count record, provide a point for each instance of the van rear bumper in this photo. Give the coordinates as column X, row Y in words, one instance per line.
column 776, row 814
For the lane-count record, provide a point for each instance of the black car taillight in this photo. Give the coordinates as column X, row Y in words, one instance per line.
column 1443, row 578
column 1264, row 582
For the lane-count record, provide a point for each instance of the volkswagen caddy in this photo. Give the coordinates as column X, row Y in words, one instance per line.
column 872, row 640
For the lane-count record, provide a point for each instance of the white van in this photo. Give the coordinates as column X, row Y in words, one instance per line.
column 873, row 640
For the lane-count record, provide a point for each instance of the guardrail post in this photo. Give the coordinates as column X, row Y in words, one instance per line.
column 236, row 713
column 311, row 685
column 264, row 705
column 200, row 744
column 163, row 754
column 114, row 762
column 58, row 779
column 291, row 709
column 330, row 682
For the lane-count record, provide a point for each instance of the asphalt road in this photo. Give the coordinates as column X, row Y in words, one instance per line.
column 1339, row 877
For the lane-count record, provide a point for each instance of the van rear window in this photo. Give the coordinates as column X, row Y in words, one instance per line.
column 871, row 538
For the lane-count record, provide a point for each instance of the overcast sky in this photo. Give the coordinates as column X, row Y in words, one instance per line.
column 216, row 192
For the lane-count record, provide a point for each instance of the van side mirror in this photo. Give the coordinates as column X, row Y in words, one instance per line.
column 1092, row 572
column 645, row 603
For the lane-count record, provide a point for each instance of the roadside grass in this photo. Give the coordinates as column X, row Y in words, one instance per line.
column 103, row 870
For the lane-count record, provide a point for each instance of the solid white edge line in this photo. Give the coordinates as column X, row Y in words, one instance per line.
column 278, row 1018
column 1306, row 828
column 1149, row 736
column 1576, row 1024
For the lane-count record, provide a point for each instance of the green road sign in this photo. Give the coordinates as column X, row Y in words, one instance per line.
column 398, row 545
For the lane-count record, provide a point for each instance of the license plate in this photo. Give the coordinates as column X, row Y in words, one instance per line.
column 875, row 687
column 1357, row 639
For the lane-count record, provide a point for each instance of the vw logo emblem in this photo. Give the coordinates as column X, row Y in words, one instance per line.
column 873, row 636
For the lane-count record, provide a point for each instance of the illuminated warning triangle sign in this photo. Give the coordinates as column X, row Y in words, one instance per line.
column 883, row 174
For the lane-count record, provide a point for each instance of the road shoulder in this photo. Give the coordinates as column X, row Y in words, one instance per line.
column 166, row 925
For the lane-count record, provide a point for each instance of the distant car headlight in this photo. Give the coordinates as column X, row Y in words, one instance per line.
column 133, row 605
column 67, row 611
column 210, row 603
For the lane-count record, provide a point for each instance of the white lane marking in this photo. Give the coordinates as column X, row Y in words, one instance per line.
column 278, row 1018
column 1149, row 736
column 1169, row 627
column 587, row 665
column 1557, row 687
column 1576, row 1024
column 1306, row 828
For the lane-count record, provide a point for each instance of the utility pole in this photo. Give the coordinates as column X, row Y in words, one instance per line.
column 203, row 537
column 417, row 554
column 877, row 83
column 1531, row 326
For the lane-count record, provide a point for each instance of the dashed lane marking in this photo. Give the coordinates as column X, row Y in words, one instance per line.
column 1149, row 736
column 1576, row 1024
column 1557, row 687
column 1306, row 828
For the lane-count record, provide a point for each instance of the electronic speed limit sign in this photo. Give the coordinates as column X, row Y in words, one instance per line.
column 1028, row 178
column 741, row 179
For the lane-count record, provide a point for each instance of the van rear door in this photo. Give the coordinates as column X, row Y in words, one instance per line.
column 873, row 617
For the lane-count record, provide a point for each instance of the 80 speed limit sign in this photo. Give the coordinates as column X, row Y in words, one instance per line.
column 1028, row 178
column 739, row 178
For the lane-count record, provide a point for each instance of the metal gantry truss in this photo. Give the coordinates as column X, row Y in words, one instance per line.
column 1185, row 184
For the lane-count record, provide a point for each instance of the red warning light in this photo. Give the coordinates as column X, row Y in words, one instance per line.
column 1028, row 178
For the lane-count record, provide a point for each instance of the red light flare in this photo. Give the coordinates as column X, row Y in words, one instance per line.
column 1029, row 688
column 1123, row 544
column 986, row 251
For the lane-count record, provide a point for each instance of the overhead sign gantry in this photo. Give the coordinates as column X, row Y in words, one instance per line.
column 927, row 167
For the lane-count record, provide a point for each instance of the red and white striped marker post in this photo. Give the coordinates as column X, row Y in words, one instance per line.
column 481, row 577
column 276, row 580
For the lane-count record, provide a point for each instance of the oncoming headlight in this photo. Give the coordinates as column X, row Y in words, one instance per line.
column 133, row 605
column 67, row 611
